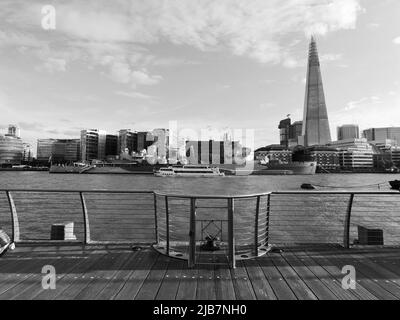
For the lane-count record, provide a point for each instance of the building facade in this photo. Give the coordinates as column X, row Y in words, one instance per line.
column 315, row 129
column 355, row 154
column 11, row 150
column 274, row 153
column 44, row 149
column 89, row 145
column 327, row 158
column 380, row 135
column 127, row 140
column 214, row 152
column 348, row 131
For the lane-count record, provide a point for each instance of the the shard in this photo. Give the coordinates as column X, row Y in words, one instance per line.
column 315, row 120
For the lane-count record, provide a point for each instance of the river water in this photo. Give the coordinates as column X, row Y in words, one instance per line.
column 217, row 185
column 300, row 218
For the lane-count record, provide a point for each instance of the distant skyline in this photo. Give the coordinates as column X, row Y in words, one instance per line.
column 229, row 63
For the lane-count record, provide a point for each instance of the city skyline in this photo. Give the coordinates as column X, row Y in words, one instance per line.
column 108, row 75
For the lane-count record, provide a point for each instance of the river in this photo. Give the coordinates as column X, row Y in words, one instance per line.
column 217, row 185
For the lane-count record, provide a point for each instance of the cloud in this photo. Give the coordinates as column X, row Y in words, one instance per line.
column 52, row 65
column 363, row 102
column 134, row 94
column 253, row 29
column 396, row 40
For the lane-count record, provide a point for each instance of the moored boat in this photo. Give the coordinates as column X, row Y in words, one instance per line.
column 189, row 171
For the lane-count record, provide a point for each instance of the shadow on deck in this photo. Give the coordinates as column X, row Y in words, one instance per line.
column 117, row 272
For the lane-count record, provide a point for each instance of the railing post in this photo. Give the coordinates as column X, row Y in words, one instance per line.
column 155, row 217
column 167, row 222
column 192, row 234
column 15, row 237
column 256, row 227
column 267, row 219
column 86, row 226
column 346, row 237
column 231, row 236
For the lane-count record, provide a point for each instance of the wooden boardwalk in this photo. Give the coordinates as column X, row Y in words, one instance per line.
column 117, row 272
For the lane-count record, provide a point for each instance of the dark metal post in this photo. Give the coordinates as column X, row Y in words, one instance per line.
column 346, row 237
column 86, row 225
column 231, row 236
column 267, row 218
column 256, row 227
column 167, row 222
column 15, row 237
column 192, row 234
column 155, row 217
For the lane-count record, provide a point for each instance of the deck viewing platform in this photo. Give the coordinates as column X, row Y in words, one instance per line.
column 150, row 245
column 118, row 272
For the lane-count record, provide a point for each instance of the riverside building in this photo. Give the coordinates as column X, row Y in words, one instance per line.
column 355, row 154
column 11, row 147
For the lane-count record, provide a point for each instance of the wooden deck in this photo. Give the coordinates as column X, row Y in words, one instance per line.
column 117, row 272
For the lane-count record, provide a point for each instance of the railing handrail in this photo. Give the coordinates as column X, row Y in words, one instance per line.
column 199, row 196
column 76, row 190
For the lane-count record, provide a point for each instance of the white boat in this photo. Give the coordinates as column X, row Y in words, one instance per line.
column 189, row 171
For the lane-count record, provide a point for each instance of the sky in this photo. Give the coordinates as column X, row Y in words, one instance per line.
column 206, row 64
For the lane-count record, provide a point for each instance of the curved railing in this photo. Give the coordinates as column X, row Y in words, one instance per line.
column 236, row 224
column 177, row 223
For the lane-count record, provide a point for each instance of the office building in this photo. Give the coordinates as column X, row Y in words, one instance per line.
column 315, row 129
column 295, row 131
column 215, row 152
column 89, row 144
column 65, row 151
column 348, row 131
column 44, row 149
column 144, row 140
column 380, row 135
column 27, row 153
column 111, row 145
column 127, row 140
column 11, row 147
column 284, row 128
column 354, row 154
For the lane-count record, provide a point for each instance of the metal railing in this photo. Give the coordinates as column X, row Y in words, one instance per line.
column 99, row 216
column 247, row 223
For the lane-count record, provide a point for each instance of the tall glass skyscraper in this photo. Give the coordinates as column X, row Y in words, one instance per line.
column 315, row 119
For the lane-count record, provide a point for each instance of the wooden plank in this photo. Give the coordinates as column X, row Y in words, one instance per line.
column 362, row 276
column 205, row 282
column 378, row 274
column 19, row 270
column 324, row 276
column 188, row 284
column 320, row 290
column 151, row 285
column 103, row 274
column 170, row 284
column 224, row 289
column 117, row 282
column 335, row 269
column 71, row 277
column 147, row 259
column 81, row 279
column 241, row 283
column 62, row 265
column 261, row 286
column 298, row 286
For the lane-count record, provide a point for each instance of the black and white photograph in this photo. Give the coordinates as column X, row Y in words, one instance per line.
column 202, row 155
